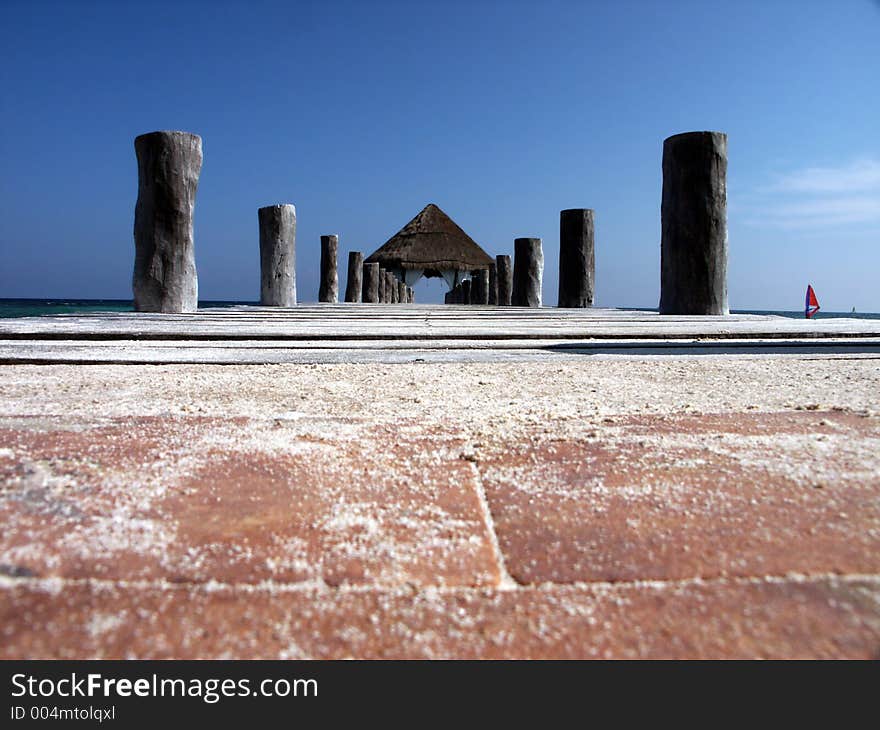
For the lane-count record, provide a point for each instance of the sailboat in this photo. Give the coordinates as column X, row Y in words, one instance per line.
column 811, row 305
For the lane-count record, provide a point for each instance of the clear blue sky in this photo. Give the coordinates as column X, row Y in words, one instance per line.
column 502, row 113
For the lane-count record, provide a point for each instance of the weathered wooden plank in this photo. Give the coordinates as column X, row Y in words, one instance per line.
column 423, row 322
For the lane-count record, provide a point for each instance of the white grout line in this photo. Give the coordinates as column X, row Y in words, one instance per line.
column 57, row 584
column 506, row 581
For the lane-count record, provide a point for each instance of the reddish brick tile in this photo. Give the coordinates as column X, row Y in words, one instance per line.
column 823, row 618
column 688, row 496
column 344, row 519
column 751, row 424
column 198, row 499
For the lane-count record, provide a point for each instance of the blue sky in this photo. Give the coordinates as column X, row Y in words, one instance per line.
column 502, row 113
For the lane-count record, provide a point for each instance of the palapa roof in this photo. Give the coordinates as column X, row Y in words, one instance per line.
column 431, row 241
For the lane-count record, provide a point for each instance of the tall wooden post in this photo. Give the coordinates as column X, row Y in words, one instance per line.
column 528, row 271
column 480, row 287
column 165, row 279
column 505, row 280
column 693, row 247
column 277, row 255
column 577, row 264
column 329, row 288
column 370, row 290
column 493, row 283
column 354, row 280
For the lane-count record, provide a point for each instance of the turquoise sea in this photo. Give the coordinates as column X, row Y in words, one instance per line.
column 33, row 307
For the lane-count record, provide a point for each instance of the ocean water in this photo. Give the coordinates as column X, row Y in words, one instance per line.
column 819, row 315
column 34, row 307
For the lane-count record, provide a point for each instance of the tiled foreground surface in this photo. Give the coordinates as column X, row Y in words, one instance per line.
column 705, row 507
column 820, row 617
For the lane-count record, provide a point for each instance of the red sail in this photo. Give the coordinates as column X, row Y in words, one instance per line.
column 811, row 305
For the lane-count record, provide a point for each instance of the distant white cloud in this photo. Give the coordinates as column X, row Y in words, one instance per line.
column 825, row 212
column 818, row 197
column 860, row 176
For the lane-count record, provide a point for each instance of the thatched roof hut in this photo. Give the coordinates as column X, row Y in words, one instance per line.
column 431, row 245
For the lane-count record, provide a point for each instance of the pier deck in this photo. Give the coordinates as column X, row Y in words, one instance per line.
column 422, row 481
column 403, row 333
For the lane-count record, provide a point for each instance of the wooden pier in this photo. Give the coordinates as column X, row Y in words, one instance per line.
column 411, row 332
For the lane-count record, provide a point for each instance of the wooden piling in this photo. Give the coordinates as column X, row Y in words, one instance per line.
column 493, row 283
column 480, row 287
column 390, row 288
column 370, row 286
column 505, row 280
column 354, row 279
column 693, row 246
column 165, row 279
column 577, row 264
column 528, row 271
column 277, row 255
column 329, row 286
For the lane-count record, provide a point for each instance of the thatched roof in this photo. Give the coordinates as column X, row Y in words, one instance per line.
column 431, row 241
